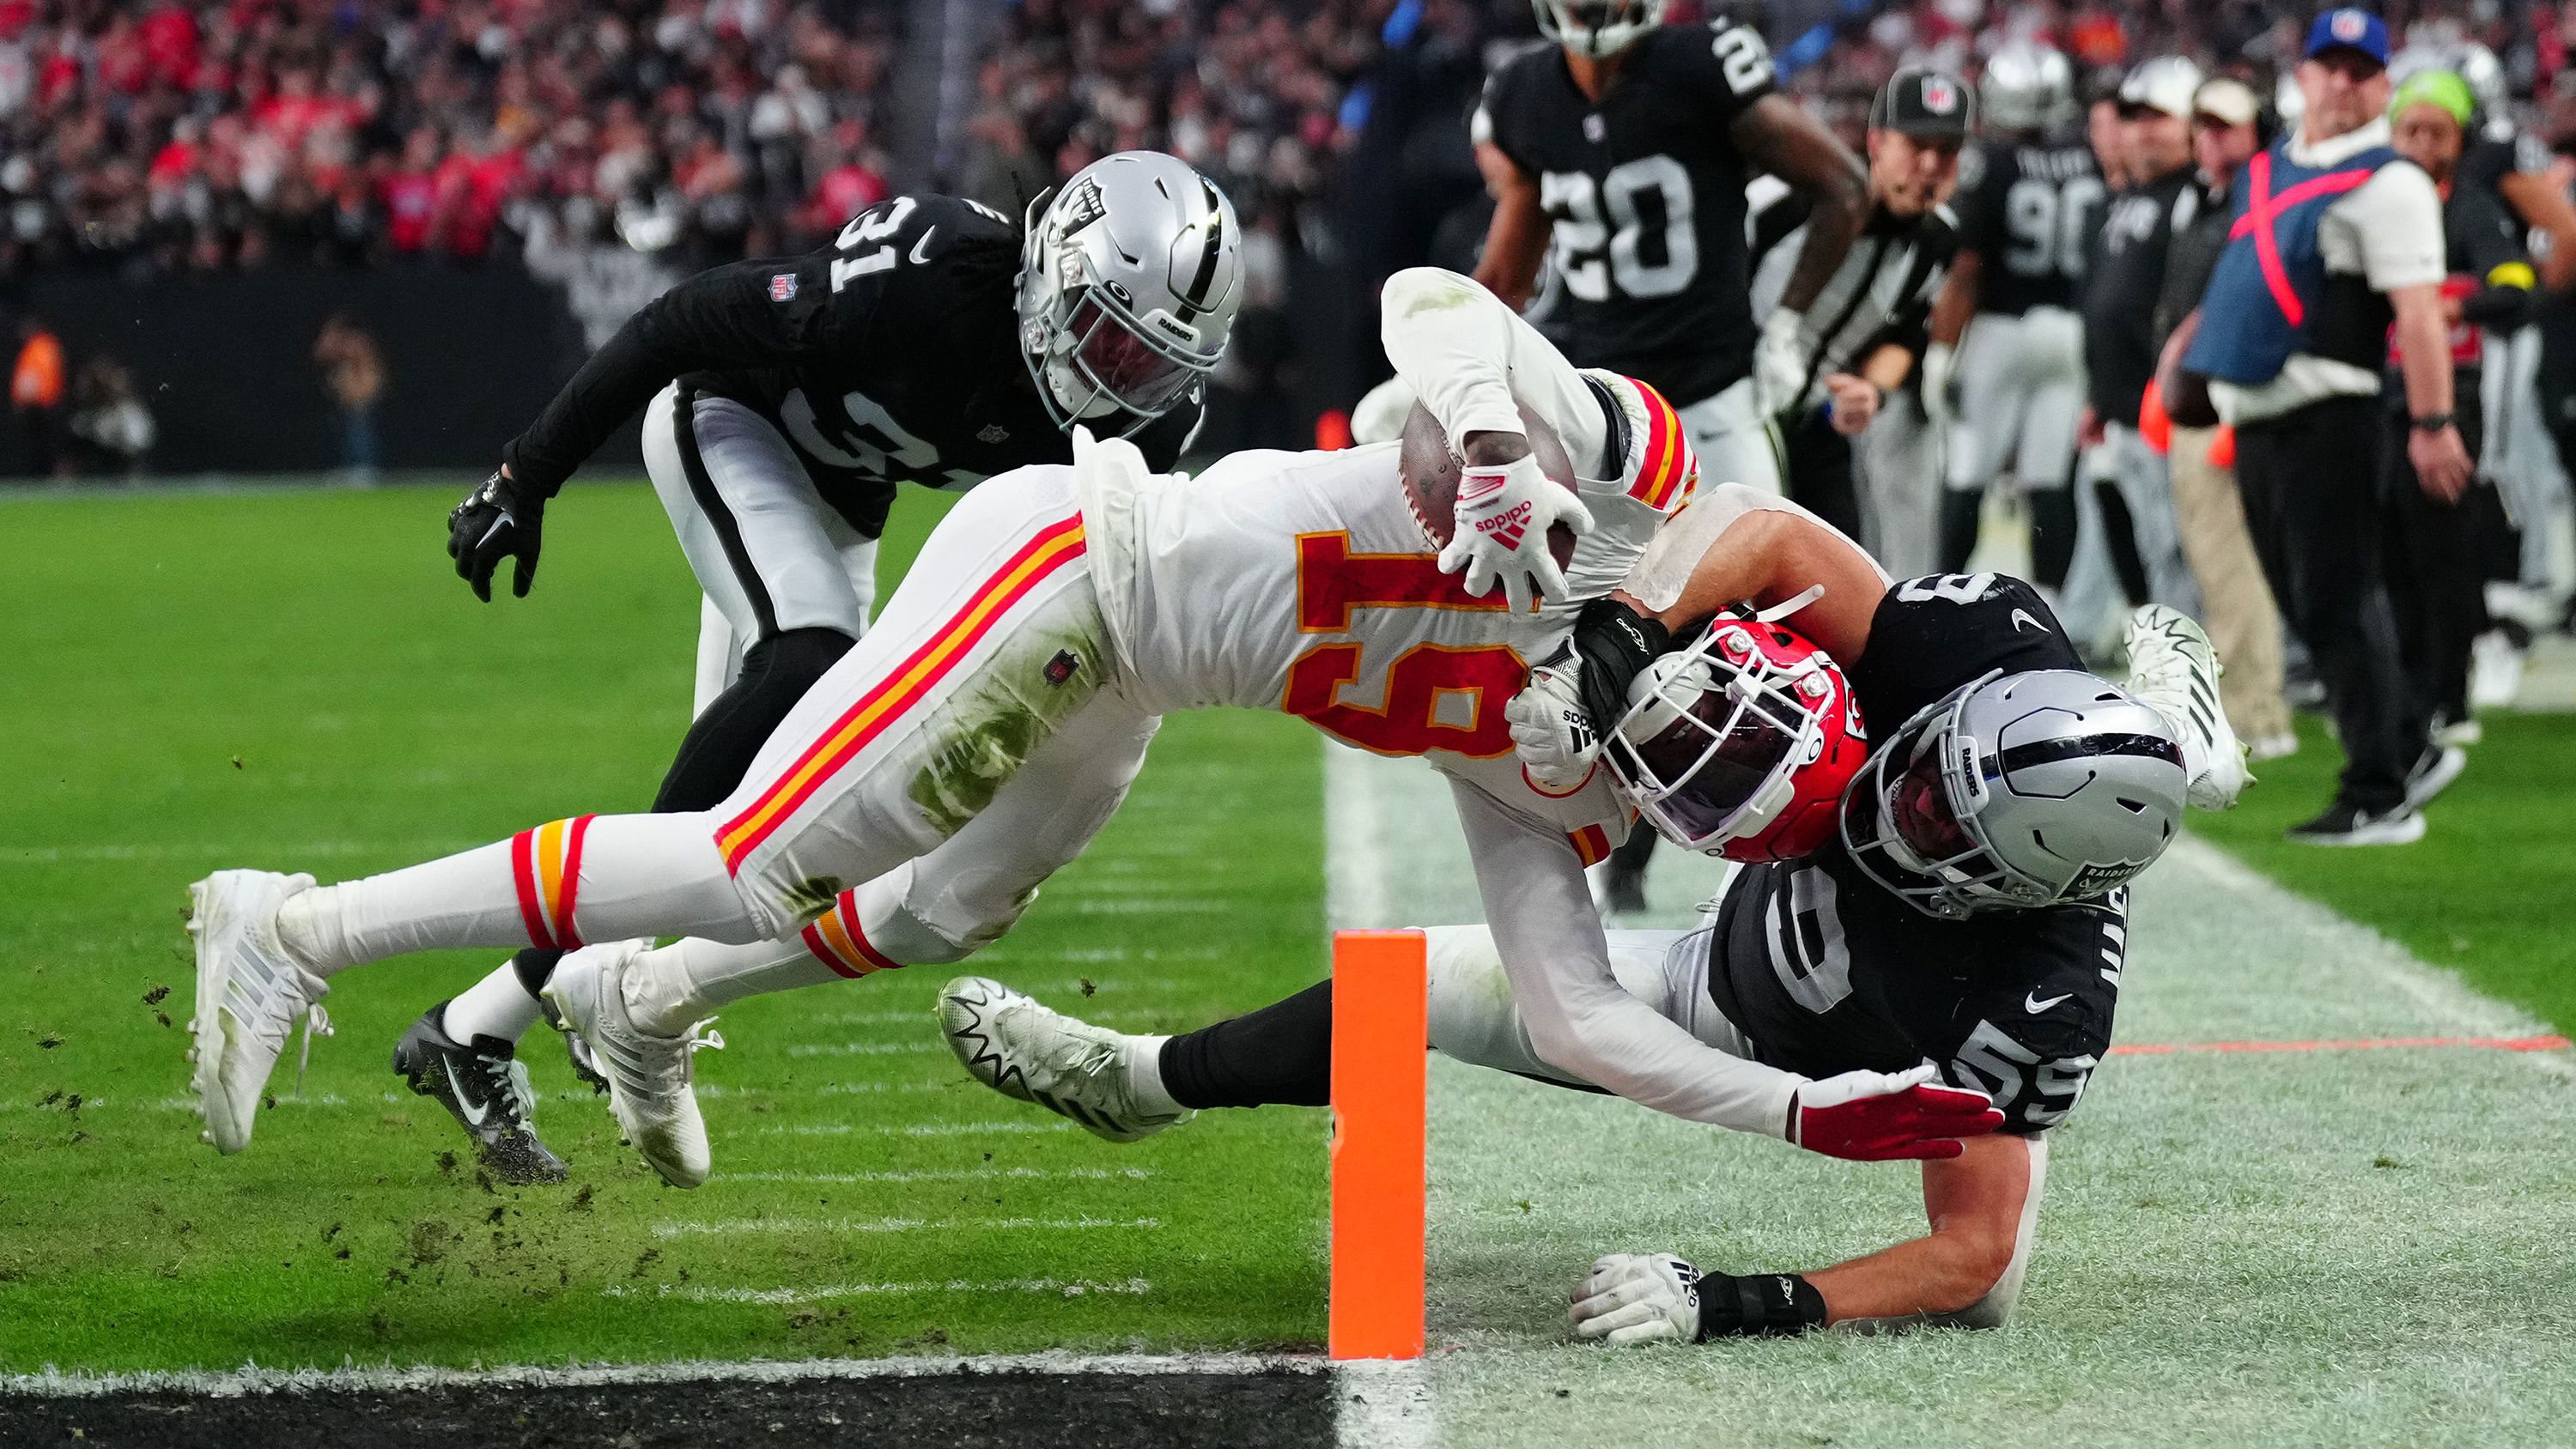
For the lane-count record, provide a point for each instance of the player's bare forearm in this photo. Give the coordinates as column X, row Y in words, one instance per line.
column 1975, row 1203
column 1777, row 136
column 1516, row 240
column 2544, row 208
column 2425, row 340
column 1492, row 450
column 1958, row 300
column 1770, row 557
column 1889, row 366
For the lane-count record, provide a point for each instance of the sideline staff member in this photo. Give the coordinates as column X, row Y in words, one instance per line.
column 2338, row 235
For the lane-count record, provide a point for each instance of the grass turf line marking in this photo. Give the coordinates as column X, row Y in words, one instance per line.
column 865, row 1048
column 1383, row 1404
column 255, row 1380
column 922, row 1129
column 1057, row 1287
column 2496, row 1043
column 953, row 1174
column 732, row 1226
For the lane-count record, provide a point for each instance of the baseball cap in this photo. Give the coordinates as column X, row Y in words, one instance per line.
column 2229, row 101
column 2349, row 29
column 1932, row 104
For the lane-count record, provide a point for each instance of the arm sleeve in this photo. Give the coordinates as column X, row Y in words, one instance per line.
column 723, row 318
column 2396, row 217
column 1580, row 1020
column 1468, row 357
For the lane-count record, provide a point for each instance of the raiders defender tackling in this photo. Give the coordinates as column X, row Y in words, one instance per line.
column 1964, row 910
column 930, row 343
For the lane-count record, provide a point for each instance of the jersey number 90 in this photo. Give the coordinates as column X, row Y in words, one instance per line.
column 2049, row 223
column 1645, row 248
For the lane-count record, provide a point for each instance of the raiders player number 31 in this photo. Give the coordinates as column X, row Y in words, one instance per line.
column 934, row 341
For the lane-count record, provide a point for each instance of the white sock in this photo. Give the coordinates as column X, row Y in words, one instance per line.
column 1145, row 1075
column 497, row 1006
column 639, row 875
column 688, row 981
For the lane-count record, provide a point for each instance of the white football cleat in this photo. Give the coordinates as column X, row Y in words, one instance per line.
column 1032, row 1053
column 649, row 1075
column 2173, row 667
column 250, row 994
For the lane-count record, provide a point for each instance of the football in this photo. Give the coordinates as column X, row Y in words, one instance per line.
column 1430, row 467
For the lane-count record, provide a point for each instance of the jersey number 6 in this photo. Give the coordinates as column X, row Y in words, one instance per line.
column 1331, row 582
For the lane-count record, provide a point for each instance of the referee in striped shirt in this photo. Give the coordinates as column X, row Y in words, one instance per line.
column 1866, row 328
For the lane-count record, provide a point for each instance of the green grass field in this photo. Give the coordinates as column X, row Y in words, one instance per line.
column 2483, row 893
column 295, row 680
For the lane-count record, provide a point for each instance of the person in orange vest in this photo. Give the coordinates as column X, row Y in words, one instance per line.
column 36, row 391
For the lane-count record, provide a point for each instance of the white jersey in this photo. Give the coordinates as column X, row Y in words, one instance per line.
column 1301, row 582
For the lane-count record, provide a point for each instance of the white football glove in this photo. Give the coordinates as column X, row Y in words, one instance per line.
column 1379, row 416
column 1780, row 363
column 1551, row 731
column 1638, row 1298
column 1940, row 364
column 1502, row 518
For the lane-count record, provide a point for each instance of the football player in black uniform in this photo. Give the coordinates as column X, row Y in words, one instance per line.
column 1623, row 153
column 784, row 400
column 1954, row 927
column 2030, row 199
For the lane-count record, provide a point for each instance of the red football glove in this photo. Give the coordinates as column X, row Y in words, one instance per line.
column 1880, row 1116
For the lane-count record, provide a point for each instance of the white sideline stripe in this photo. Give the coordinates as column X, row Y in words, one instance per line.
column 952, row 1174
column 1383, row 1404
column 730, row 1227
column 2442, row 995
column 252, row 1379
column 1062, row 1288
column 924, row 1129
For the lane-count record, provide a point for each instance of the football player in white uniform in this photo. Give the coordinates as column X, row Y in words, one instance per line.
column 996, row 713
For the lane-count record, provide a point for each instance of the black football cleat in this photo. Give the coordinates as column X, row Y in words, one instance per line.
column 483, row 1086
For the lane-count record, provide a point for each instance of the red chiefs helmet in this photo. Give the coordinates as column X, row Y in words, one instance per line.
column 1741, row 744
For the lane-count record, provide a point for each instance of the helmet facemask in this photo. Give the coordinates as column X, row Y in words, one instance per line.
column 1597, row 28
column 1709, row 748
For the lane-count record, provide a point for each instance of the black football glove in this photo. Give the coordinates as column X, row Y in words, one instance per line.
column 498, row 520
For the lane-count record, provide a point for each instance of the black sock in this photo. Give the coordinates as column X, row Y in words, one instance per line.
column 2052, row 536
column 721, row 744
column 2120, row 535
column 1281, row 1054
column 534, row 965
column 1960, row 511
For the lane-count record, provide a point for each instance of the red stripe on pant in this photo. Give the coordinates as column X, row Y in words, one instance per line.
column 523, row 871
column 849, row 911
column 571, row 939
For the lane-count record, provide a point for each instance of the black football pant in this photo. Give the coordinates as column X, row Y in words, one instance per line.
column 2311, row 481
column 1817, row 463
column 2436, row 559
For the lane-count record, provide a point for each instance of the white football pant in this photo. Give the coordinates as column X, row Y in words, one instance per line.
column 2021, row 393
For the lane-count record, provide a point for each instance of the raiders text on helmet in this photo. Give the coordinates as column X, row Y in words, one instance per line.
column 1129, row 282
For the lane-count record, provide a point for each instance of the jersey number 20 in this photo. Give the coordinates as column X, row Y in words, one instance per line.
column 1332, row 581
column 1641, row 196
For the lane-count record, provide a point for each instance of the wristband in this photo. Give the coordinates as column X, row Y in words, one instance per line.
column 2433, row 422
column 1764, row 1305
column 1614, row 642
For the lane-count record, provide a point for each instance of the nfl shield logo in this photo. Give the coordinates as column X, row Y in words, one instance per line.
column 1594, row 129
column 782, row 288
column 2349, row 25
column 1939, row 96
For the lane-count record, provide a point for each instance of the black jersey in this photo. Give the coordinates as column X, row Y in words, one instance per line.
column 892, row 355
column 2126, row 281
column 1826, row 971
column 2029, row 211
column 1645, row 195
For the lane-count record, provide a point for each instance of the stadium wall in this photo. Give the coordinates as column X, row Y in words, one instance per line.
column 226, row 366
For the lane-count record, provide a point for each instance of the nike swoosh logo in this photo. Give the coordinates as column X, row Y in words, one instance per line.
column 2035, row 1006
column 2022, row 620
column 921, row 248
column 466, row 1107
